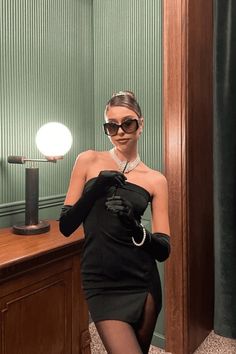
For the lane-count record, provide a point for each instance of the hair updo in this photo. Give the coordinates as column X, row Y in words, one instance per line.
column 124, row 99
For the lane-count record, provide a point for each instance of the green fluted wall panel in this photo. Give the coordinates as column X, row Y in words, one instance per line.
column 128, row 55
column 46, row 74
column 60, row 60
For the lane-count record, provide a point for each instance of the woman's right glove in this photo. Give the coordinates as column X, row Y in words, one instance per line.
column 72, row 216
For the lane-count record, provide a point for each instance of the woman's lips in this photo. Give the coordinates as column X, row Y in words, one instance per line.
column 122, row 141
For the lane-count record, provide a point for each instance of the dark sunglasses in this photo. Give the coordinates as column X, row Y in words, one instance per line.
column 128, row 126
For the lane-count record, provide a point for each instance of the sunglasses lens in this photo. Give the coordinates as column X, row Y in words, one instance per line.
column 111, row 128
column 130, row 125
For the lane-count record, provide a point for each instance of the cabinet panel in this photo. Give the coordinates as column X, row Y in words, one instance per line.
column 47, row 325
column 42, row 305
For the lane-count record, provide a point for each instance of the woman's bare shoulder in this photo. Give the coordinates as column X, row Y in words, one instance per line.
column 151, row 180
column 156, row 179
column 158, row 176
column 154, row 176
column 88, row 161
column 89, row 156
column 159, row 183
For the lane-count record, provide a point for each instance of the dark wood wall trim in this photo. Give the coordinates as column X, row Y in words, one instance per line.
column 174, row 85
column 188, row 112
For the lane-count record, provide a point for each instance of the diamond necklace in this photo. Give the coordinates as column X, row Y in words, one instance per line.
column 121, row 164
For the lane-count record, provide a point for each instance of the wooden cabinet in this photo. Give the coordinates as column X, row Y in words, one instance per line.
column 42, row 307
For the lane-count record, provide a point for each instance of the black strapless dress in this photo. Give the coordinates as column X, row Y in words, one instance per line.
column 116, row 274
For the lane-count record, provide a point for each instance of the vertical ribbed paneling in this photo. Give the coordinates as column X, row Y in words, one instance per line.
column 46, row 73
column 127, row 55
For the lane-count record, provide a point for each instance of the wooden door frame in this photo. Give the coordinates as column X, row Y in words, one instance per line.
column 188, row 112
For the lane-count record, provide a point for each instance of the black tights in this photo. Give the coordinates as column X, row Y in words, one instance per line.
column 120, row 337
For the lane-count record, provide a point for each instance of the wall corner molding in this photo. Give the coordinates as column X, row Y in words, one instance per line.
column 188, row 125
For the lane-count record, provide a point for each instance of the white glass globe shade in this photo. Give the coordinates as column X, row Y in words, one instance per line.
column 54, row 139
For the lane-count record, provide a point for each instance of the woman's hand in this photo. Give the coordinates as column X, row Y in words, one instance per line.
column 123, row 208
column 73, row 215
column 109, row 178
column 157, row 244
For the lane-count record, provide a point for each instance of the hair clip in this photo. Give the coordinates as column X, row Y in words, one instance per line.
column 124, row 93
column 120, row 93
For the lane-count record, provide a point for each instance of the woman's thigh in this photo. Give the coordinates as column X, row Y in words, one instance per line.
column 118, row 337
column 145, row 327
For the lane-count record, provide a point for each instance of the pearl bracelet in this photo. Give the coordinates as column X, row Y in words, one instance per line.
column 144, row 237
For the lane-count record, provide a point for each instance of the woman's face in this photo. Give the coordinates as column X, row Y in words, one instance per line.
column 124, row 140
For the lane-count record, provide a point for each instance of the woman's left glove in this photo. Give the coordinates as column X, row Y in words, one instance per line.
column 123, row 208
column 157, row 244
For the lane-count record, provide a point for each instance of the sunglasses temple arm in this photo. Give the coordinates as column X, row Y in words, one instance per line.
column 125, row 166
column 115, row 191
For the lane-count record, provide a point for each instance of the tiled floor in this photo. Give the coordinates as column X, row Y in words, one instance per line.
column 213, row 344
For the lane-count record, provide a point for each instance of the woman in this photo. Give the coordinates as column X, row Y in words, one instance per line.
column 109, row 191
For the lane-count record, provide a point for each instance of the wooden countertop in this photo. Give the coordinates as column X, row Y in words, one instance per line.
column 15, row 249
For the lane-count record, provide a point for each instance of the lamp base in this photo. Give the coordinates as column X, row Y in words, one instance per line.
column 40, row 228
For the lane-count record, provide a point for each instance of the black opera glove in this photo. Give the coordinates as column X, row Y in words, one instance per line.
column 123, row 208
column 109, row 178
column 72, row 216
column 157, row 244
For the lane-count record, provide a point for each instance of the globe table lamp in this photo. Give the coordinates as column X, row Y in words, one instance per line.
column 53, row 140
